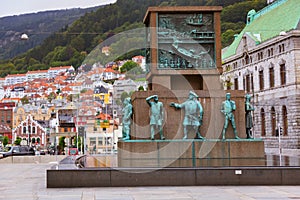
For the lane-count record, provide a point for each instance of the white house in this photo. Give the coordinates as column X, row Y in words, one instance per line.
column 15, row 79
column 31, row 75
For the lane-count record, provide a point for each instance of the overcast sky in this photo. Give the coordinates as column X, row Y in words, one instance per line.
column 16, row 7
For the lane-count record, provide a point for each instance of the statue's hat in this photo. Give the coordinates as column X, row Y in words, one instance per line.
column 193, row 94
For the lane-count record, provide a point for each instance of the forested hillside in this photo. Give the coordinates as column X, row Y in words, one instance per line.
column 70, row 45
column 37, row 25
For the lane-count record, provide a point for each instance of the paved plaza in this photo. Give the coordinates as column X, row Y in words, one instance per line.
column 28, row 181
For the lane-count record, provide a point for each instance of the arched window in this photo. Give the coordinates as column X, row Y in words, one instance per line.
column 282, row 72
column 247, row 59
column 236, row 83
column 280, row 49
column 261, row 80
column 263, row 122
column 273, row 121
column 272, row 51
column 284, row 121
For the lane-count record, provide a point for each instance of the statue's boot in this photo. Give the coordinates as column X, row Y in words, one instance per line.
column 236, row 135
column 199, row 136
column 223, row 135
column 162, row 137
column 127, row 137
column 248, row 134
column 185, row 137
column 152, row 136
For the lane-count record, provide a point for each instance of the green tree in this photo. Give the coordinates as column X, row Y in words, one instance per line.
column 51, row 96
column 61, row 143
column 25, row 100
column 228, row 37
column 129, row 65
column 18, row 141
column 141, row 88
column 70, row 98
column 5, row 140
column 124, row 95
column 79, row 141
column 83, row 90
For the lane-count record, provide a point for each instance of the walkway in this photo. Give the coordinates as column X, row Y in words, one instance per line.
column 28, row 181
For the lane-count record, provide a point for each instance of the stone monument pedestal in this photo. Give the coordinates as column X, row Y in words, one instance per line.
column 191, row 153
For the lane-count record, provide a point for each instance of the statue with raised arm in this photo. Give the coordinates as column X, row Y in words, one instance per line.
column 248, row 116
column 228, row 107
column 156, row 116
column 193, row 114
column 127, row 118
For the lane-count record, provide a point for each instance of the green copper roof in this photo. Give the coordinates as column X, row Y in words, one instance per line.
column 282, row 15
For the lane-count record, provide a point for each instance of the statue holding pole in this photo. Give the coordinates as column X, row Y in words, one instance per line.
column 248, row 116
column 127, row 118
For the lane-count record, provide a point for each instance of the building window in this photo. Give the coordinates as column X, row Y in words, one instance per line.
column 282, row 74
column 247, row 59
column 280, row 50
column 92, row 141
column 100, row 141
column 252, row 84
column 236, row 83
column 261, row 79
column 284, row 121
column 272, row 51
column 271, row 76
column 263, row 122
column 248, row 83
column 234, row 65
column 273, row 121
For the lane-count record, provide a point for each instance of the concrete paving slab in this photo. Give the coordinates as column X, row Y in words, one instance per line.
column 28, row 181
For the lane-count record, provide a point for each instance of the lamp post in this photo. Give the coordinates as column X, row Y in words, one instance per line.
column 28, row 134
column 279, row 143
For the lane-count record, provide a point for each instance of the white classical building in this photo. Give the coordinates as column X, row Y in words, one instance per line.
column 264, row 60
column 31, row 75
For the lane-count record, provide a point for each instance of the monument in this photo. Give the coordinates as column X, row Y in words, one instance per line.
column 183, row 59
